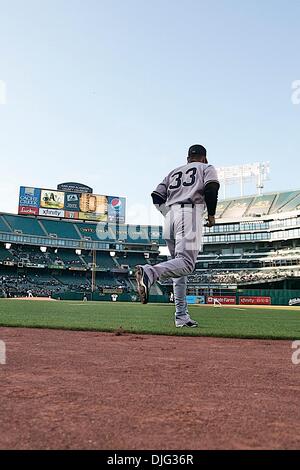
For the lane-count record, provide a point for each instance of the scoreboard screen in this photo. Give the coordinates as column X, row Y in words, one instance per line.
column 71, row 205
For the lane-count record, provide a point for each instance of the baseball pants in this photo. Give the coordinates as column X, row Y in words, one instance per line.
column 183, row 234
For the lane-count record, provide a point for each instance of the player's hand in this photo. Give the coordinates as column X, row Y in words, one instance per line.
column 210, row 221
column 163, row 209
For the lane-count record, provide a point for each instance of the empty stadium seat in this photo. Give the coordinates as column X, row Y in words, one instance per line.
column 26, row 225
column 3, row 226
column 60, row 228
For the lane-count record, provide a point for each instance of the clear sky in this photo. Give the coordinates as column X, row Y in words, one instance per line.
column 112, row 93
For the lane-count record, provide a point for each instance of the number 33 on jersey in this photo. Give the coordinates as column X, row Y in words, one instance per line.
column 186, row 184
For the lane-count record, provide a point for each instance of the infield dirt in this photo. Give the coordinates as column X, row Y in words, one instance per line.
column 87, row 390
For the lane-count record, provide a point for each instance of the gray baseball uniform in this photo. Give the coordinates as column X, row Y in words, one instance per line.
column 183, row 192
column 186, row 183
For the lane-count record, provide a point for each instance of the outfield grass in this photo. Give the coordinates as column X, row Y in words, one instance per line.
column 231, row 322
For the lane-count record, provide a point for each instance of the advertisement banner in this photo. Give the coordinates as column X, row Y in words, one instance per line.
column 116, row 209
column 86, row 230
column 255, row 300
column 28, row 210
column 52, row 212
column 92, row 216
column 29, row 197
column 72, row 201
column 34, row 265
column 75, row 202
column 52, row 199
column 195, row 299
column 71, row 215
column 223, row 299
column 93, row 203
column 112, row 290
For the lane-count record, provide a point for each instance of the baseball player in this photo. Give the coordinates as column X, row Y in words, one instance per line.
column 29, row 294
column 181, row 198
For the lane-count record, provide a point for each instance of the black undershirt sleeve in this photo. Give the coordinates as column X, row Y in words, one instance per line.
column 157, row 199
column 211, row 197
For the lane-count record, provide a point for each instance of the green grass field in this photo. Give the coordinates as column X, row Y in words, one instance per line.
column 231, row 322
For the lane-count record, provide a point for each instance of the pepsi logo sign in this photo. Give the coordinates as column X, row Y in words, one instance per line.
column 116, row 204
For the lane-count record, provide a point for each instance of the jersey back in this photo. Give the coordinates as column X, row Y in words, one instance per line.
column 186, row 183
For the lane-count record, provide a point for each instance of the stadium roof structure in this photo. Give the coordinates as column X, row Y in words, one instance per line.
column 268, row 205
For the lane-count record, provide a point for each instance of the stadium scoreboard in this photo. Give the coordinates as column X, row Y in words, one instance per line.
column 71, row 201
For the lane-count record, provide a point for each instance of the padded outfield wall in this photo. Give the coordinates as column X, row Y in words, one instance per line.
column 107, row 297
column 278, row 296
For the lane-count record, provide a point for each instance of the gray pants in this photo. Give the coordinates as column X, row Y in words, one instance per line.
column 183, row 234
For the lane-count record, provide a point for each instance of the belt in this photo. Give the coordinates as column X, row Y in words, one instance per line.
column 187, row 204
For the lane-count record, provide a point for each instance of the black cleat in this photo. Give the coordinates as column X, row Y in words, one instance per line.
column 143, row 284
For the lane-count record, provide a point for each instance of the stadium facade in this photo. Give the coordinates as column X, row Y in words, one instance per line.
column 253, row 249
column 59, row 258
column 253, row 252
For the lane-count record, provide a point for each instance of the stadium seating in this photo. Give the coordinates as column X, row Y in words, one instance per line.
column 260, row 205
column 29, row 254
column 282, row 199
column 5, row 255
column 221, row 207
column 132, row 259
column 293, row 204
column 3, row 226
column 24, row 224
column 73, row 281
column 241, row 277
column 104, row 260
column 256, row 240
column 65, row 257
column 237, row 208
column 89, row 231
column 253, row 206
column 14, row 284
column 60, row 229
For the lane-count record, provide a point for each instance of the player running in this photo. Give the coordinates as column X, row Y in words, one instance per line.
column 181, row 198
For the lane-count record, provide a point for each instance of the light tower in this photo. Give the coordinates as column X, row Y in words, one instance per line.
column 240, row 174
